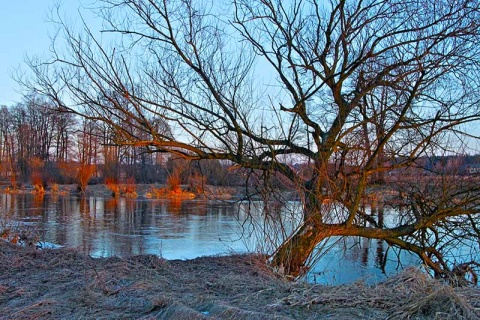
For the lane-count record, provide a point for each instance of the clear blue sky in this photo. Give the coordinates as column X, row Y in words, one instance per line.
column 25, row 30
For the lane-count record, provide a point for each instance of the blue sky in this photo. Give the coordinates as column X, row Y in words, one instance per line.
column 25, row 30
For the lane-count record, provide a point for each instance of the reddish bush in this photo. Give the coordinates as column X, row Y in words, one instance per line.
column 84, row 173
column 173, row 182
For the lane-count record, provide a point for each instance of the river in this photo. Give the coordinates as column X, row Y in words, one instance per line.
column 174, row 229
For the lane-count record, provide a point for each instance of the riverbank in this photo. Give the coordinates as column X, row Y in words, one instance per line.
column 157, row 191
column 63, row 283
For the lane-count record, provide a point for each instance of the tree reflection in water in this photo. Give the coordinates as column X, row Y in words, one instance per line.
column 184, row 229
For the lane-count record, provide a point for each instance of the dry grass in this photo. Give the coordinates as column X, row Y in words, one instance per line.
column 166, row 193
column 128, row 190
column 53, row 284
column 12, row 232
column 410, row 294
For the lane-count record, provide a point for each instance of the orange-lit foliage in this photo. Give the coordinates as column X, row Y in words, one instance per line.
column 16, row 236
column 130, row 188
column 173, row 182
column 36, row 163
column 13, row 180
column 9, row 236
column 157, row 193
column 65, row 168
column 84, row 173
column 36, row 166
column 113, row 186
column 160, row 193
column 55, row 188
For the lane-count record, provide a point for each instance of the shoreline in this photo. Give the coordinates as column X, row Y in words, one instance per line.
column 153, row 191
column 63, row 283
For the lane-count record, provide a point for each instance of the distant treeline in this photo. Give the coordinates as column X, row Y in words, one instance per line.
column 42, row 145
column 453, row 164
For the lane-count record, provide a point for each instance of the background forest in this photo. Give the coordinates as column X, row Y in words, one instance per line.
column 41, row 146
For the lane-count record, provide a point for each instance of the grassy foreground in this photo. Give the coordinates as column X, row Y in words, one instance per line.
column 65, row 284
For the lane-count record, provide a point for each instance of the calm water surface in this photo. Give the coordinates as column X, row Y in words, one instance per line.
column 104, row 227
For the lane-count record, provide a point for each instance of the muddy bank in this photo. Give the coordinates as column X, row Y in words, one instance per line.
column 54, row 284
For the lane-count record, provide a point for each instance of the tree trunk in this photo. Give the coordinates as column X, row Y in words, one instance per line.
column 291, row 257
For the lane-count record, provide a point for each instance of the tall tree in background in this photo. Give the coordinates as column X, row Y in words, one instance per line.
column 363, row 89
column 28, row 132
column 8, row 146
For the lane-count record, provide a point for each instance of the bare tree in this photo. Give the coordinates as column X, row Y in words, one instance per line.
column 363, row 90
column 8, row 146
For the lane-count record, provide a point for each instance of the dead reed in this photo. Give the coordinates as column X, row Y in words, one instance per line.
column 64, row 283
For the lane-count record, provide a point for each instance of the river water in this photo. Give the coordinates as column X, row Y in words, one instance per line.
column 174, row 229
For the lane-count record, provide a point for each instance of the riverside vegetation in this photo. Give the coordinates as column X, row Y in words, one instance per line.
column 62, row 283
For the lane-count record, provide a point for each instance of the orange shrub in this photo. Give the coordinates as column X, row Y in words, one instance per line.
column 36, row 166
column 173, row 183
column 84, row 173
column 113, row 186
column 130, row 186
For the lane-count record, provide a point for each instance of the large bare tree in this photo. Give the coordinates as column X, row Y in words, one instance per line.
column 362, row 90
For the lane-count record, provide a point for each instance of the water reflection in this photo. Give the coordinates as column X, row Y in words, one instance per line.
column 103, row 227
column 123, row 226
column 353, row 258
